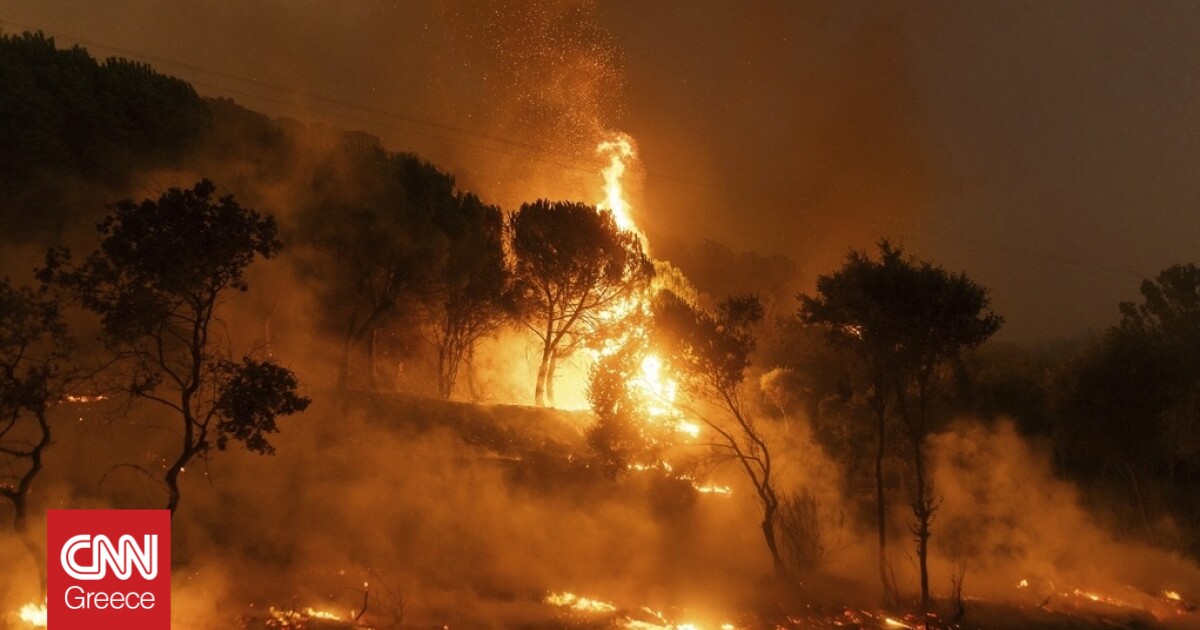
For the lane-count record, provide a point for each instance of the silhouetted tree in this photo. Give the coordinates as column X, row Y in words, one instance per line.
column 711, row 353
column 904, row 321
column 71, row 123
column 157, row 281
column 1170, row 306
column 467, row 296
column 381, row 249
column 571, row 262
column 1130, row 401
column 34, row 350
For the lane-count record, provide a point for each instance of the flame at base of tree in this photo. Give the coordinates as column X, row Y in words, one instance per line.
column 640, row 388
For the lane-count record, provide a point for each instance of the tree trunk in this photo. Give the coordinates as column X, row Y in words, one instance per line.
column 923, row 503
column 185, row 455
column 172, row 481
column 539, row 392
column 881, row 508
column 923, row 510
column 550, row 378
column 29, row 541
column 1137, row 495
column 21, row 502
column 768, row 530
column 472, row 386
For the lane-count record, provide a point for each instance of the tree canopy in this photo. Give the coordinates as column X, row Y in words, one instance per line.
column 571, row 262
column 157, row 281
column 904, row 321
column 66, row 115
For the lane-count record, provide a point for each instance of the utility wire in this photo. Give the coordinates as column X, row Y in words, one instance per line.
column 544, row 155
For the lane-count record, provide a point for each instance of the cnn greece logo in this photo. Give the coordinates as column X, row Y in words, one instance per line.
column 109, row 569
column 122, row 557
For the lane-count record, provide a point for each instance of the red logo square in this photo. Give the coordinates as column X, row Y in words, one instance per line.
column 108, row 570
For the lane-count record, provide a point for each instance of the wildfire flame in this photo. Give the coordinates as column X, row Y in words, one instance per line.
column 618, row 150
column 298, row 618
column 580, row 604
column 658, row 391
column 83, row 400
column 33, row 614
column 623, row 618
column 651, row 384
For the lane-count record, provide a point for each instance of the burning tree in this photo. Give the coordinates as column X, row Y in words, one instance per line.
column 711, row 353
column 572, row 266
column 467, row 300
column 903, row 321
column 162, row 271
column 634, row 405
column 33, row 353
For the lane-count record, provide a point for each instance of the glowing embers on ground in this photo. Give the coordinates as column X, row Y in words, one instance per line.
column 713, row 489
column 664, row 467
column 860, row 618
column 307, row 618
column 83, row 400
column 641, row 618
column 581, row 604
column 32, row 614
column 1162, row 605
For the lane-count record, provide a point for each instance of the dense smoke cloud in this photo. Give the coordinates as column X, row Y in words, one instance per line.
column 1010, row 519
column 382, row 494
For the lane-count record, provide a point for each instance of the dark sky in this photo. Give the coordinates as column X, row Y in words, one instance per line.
column 1048, row 149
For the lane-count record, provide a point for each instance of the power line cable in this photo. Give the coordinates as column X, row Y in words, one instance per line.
column 545, row 156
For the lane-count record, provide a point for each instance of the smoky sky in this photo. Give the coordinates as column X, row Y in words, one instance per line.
column 1047, row 149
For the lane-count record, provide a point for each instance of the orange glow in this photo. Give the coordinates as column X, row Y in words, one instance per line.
column 84, row 399
column 33, row 614
column 618, row 150
column 656, row 390
column 579, row 604
column 296, row 618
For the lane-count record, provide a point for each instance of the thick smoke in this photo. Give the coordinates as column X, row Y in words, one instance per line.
column 1007, row 516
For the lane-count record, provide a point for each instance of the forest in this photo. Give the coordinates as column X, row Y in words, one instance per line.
column 371, row 398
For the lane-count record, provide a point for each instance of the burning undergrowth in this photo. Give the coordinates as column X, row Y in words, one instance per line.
column 409, row 497
column 414, row 514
